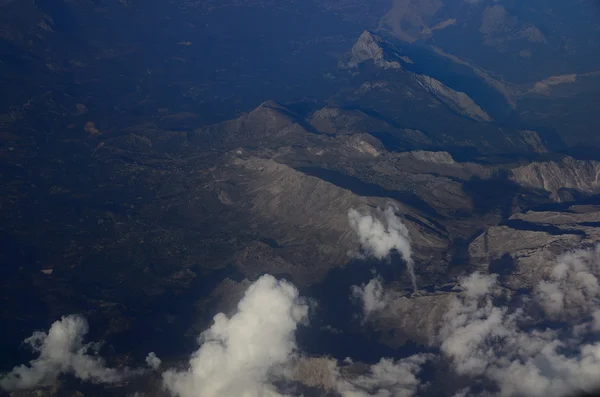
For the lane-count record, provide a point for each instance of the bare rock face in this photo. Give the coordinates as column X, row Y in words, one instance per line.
column 284, row 201
column 527, row 253
column 362, row 145
column 315, row 372
column 561, row 178
column 534, row 141
column 575, row 215
column 416, row 318
column 457, row 101
column 525, row 249
column 433, row 157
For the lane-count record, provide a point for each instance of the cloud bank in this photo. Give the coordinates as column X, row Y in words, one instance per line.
column 506, row 350
column 518, row 355
column 242, row 355
column 61, row 351
column 379, row 237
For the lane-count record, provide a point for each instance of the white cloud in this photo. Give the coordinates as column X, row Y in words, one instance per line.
column 372, row 296
column 471, row 323
column 240, row 355
column 478, row 284
column 379, row 237
column 153, row 361
column 505, row 346
column 572, row 287
column 61, row 351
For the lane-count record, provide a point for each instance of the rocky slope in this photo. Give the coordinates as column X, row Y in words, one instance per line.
column 457, row 101
column 169, row 218
column 566, row 179
column 382, row 54
column 471, row 91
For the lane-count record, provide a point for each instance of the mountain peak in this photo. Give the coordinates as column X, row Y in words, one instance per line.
column 369, row 47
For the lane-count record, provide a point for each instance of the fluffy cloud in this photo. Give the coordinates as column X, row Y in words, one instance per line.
column 379, row 237
column 372, row 296
column 572, row 288
column 504, row 344
column 510, row 346
column 240, row 355
column 152, row 361
column 61, row 351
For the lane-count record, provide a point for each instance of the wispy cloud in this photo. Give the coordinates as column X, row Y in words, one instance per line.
column 380, row 235
column 373, row 296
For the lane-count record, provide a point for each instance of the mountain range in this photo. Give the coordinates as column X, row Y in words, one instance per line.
column 160, row 159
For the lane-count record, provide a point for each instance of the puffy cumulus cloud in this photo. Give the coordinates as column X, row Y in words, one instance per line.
column 372, row 296
column 478, row 284
column 61, row 351
column 522, row 357
column 240, row 355
column 572, row 288
column 153, row 361
column 388, row 378
column 473, row 323
column 378, row 237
